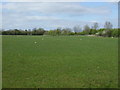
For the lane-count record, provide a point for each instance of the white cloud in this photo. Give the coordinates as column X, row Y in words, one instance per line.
column 60, row 0
column 0, row 15
column 54, row 8
column 47, row 15
column 41, row 18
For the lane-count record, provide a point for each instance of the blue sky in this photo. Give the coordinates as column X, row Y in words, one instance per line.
column 50, row 15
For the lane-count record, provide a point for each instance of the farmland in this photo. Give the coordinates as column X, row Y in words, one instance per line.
column 59, row 62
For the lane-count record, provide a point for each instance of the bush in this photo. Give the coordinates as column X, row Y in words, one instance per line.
column 115, row 33
column 93, row 31
column 107, row 33
column 72, row 33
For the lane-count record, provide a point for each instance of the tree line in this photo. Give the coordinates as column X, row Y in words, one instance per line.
column 107, row 31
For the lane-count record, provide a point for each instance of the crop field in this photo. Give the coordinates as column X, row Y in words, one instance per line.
column 59, row 62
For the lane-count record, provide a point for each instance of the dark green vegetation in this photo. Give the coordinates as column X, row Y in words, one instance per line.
column 60, row 62
column 107, row 31
column 57, row 32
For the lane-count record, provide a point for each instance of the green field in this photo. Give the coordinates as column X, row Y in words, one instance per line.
column 59, row 62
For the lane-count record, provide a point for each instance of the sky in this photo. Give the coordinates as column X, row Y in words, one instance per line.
column 59, row 0
column 51, row 15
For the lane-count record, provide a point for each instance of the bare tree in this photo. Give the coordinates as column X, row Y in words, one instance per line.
column 66, row 31
column 95, row 26
column 108, row 25
column 77, row 29
column 87, row 29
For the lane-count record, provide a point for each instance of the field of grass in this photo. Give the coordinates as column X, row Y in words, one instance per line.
column 60, row 62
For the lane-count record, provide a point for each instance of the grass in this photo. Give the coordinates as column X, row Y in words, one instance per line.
column 60, row 62
column 0, row 62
